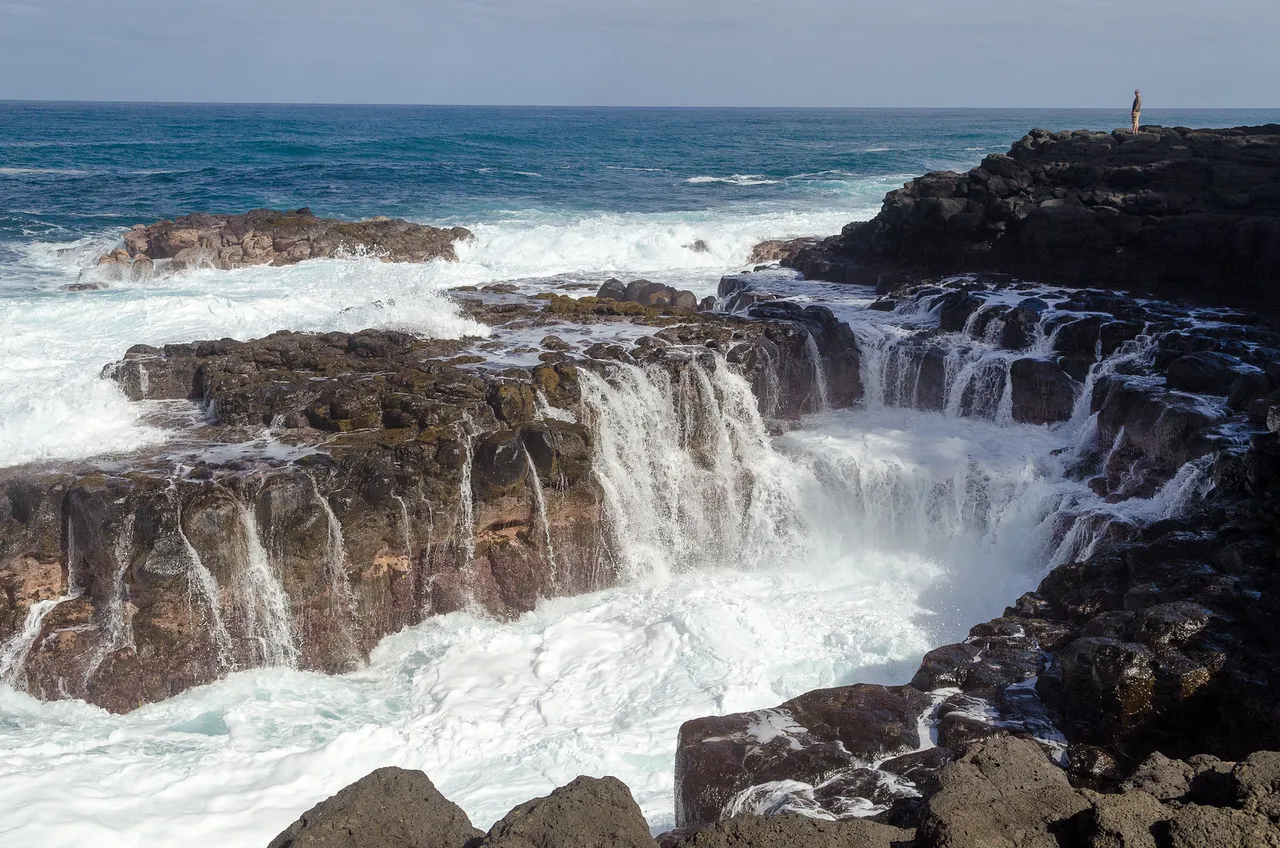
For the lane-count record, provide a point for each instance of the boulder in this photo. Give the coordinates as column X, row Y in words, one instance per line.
column 587, row 813
column 792, row 831
column 1131, row 820
column 1003, row 793
column 809, row 739
column 389, row 808
column 1195, row 826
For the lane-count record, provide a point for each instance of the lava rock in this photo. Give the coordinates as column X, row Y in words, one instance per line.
column 791, row 831
column 389, row 808
column 1003, row 792
column 587, row 813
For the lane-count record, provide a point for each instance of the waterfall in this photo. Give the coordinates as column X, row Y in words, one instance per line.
column 263, row 599
column 336, row 557
column 117, row 628
column 201, row 581
column 688, row 472
column 819, row 371
column 540, row 502
column 406, row 527
column 13, row 653
column 466, row 520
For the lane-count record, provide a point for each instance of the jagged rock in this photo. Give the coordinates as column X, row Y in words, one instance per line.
column 1191, row 211
column 776, row 250
column 1206, row 372
column 809, row 739
column 1004, row 793
column 1197, row 827
column 1131, row 820
column 389, row 808
column 791, row 831
column 1257, row 784
column 270, row 237
column 1042, row 392
column 587, row 813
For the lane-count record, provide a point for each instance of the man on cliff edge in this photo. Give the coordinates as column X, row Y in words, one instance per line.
column 1136, row 112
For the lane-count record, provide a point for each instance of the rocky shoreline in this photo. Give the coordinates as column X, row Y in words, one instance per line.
column 1173, row 211
column 273, row 237
column 330, row 489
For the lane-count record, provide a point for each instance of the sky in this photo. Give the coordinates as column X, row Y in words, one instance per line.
column 994, row 53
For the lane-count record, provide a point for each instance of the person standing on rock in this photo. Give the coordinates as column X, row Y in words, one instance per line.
column 1136, row 112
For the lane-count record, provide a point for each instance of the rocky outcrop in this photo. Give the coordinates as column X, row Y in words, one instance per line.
column 398, row 808
column 325, row 490
column 649, row 294
column 1155, row 638
column 808, row 739
column 271, row 237
column 390, row 808
column 1172, row 210
column 587, row 813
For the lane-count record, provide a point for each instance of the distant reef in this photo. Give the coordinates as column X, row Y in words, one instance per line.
column 272, row 237
column 1174, row 211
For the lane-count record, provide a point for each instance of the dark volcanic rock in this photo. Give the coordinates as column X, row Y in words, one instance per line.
column 1206, row 372
column 389, row 808
column 809, row 738
column 270, row 237
column 587, row 813
column 792, row 831
column 1173, row 210
column 1042, row 392
column 1004, row 792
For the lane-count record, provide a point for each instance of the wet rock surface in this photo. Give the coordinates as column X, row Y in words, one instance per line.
column 325, row 490
column 1172, row 210
column 271, row 237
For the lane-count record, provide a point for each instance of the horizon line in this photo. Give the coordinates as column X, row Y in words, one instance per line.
column 405, row 104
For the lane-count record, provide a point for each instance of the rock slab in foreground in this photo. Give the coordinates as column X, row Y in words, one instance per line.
column 389, row 808
column 587, row 813
column 271, row 237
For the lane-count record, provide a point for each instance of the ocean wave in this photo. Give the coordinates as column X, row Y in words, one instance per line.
column 17, row 172
column 735, row 179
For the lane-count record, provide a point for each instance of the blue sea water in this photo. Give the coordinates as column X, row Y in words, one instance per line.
column 67, row 170
column 554, row 196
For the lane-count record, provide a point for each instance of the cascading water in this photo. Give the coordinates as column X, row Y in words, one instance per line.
column 13, row 653
column 263, row 600
column 343, row 603
column 540, row 502
column 465, row 526
column 406, row 526
column 819, row 371
column 117, row 628
column 201, row 582
column 689, row 476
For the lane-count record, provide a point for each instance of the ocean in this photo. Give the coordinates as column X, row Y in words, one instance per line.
column 496, row 712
